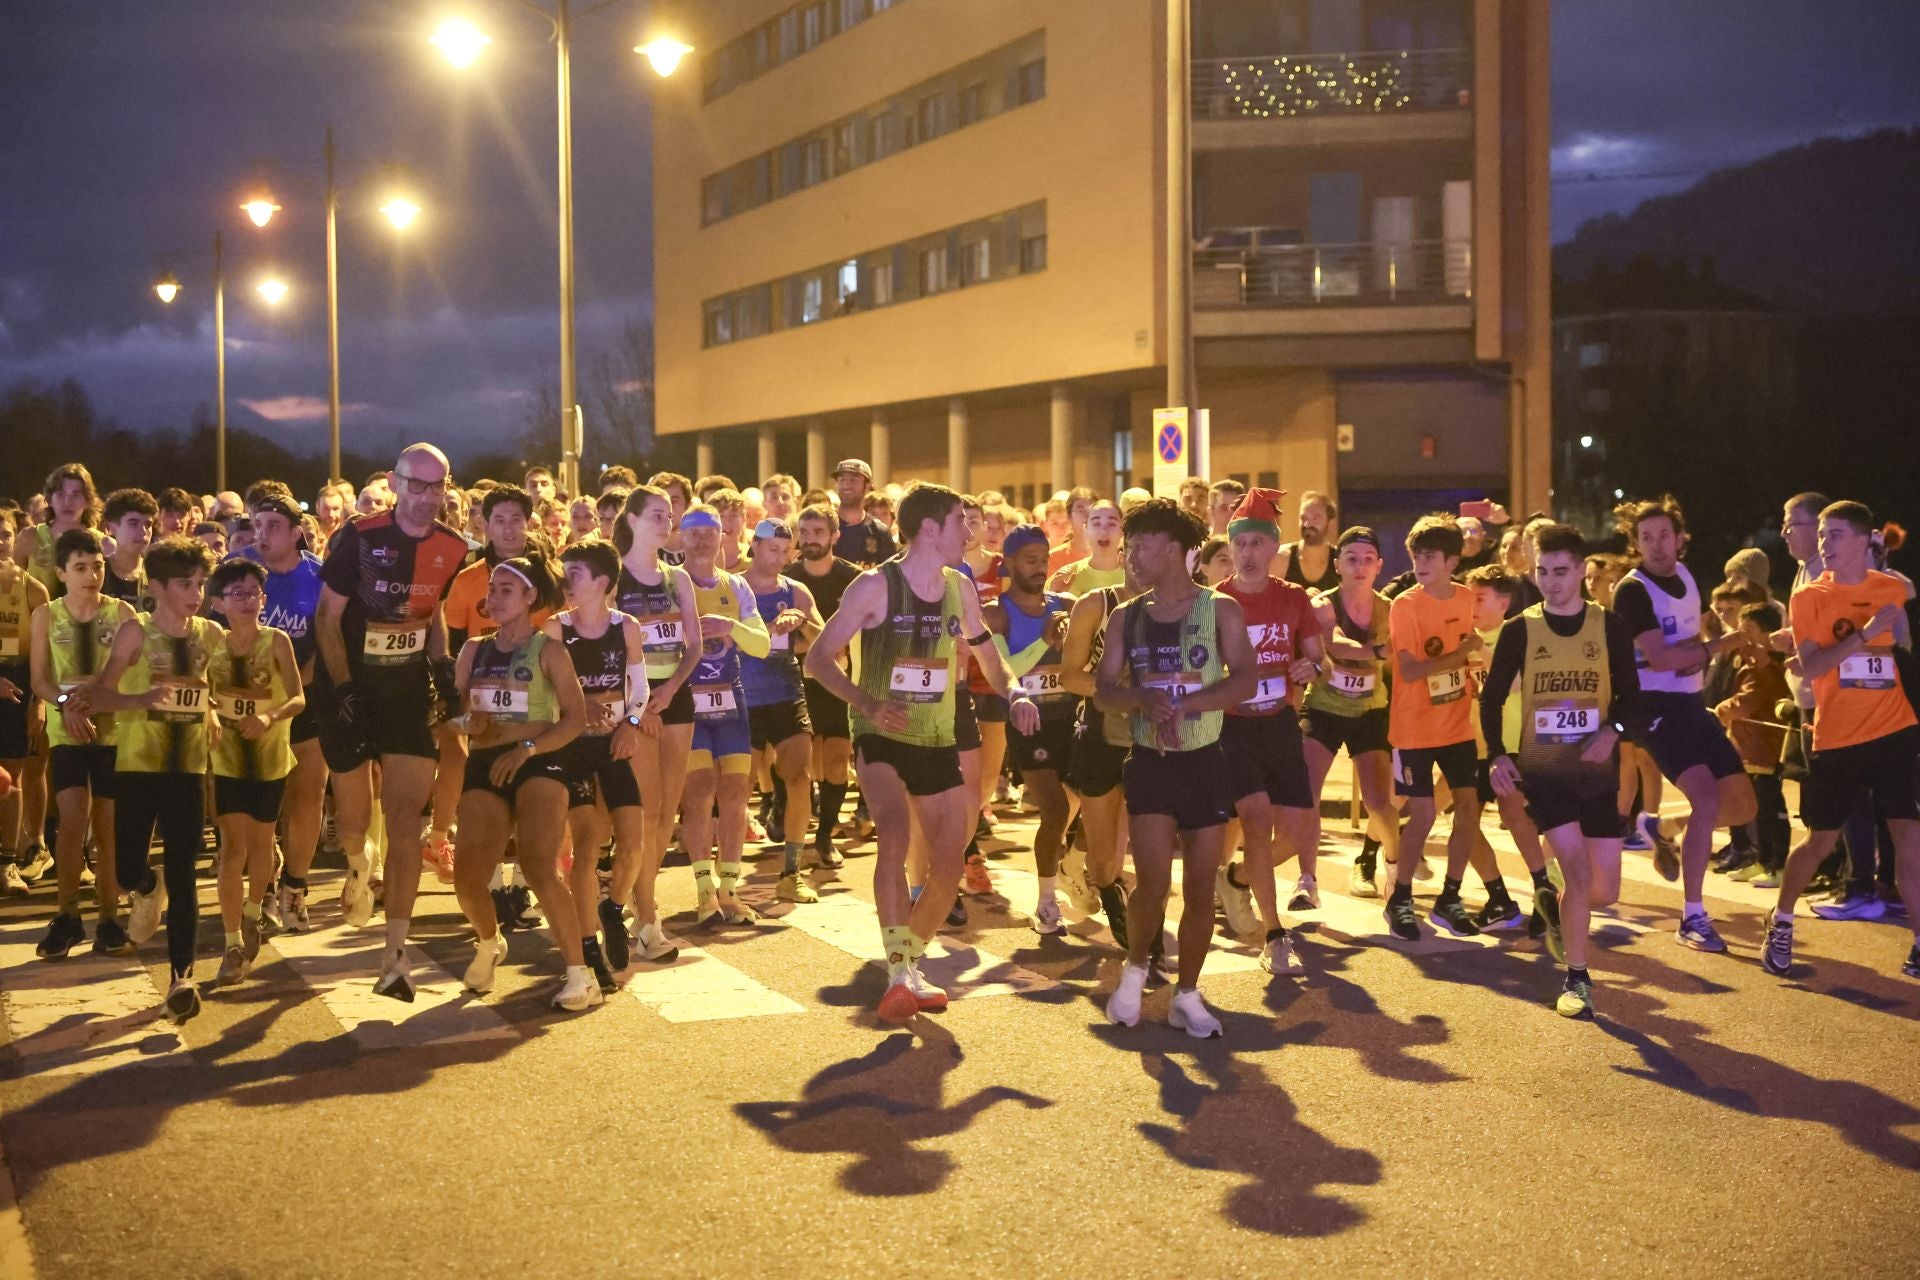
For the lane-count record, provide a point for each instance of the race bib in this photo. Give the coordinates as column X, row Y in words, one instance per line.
column 1349, row 682
column 780, row 642
column 919, row 679
column 1269, row 693
column 1448, row 686
column 390, row 644
column 1867, row 671
column 1043, row 682
column 600, row 714
column 9, row 647
column 713, row 701
column 505, row 702
column 1567, row 723
column 1183, row 683
column 236, row 704
column 186, row 702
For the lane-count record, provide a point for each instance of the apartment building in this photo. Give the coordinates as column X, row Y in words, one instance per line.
column 932, row 233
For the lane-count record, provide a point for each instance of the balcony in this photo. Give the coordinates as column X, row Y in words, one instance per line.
column 1306, row 98
column 1250, row 281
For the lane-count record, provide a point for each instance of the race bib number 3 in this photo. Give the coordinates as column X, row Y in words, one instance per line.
column 1566, row 724
column 1867, row 671
column 1448, row 686
column 394, row 644
column 914, row 680
column 498, row 700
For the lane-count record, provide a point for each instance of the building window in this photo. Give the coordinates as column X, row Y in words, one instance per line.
column 1032, row 82
column 847, row 286
column 851, row 12
column 933, row 270
column 719, row 323
column 713, row 196
column 1594, row 354
column 813, row 162
column 813, row 26
column 1033, row 254
column 880, row 284
column 846, row 147
column 973, row 104
column 789, row 23
column 976, row 262
column 880, row 136
column 881, row 6
column 931, row 115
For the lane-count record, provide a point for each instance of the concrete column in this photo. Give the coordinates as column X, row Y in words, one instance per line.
column 769, row 454
column 1064, row 410
column 959, row 446
column 817, row 463
column 880, row 448
column 703, row 455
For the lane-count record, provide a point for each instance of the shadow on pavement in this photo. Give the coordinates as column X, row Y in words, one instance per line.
column 880, row 1107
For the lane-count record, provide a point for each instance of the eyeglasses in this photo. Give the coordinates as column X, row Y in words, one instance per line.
column 420, row 487
column 243, row 595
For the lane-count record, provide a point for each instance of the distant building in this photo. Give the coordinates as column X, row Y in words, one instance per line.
column 930, row 232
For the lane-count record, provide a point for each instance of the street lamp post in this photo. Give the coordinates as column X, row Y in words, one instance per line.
column 1179, row 209
column 462, row 44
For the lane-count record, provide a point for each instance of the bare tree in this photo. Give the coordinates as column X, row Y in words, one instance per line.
column 619, row 409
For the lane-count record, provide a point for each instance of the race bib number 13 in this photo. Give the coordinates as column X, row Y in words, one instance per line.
column 1867, row 671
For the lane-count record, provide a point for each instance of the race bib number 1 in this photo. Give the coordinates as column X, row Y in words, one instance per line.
column 1271, row 691
column 1867, row 671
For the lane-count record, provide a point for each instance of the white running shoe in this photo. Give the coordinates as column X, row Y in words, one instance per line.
column 12, row 883
column 356, row 897
column 1123, row 1006
column 396, row 980
column 1189, row 1013
column 1046, row 917
column 1360, row 882
column 293, row 908
column 143, row 914
column 1236, row 902
column 183, row 1000
column 655, row 945
column 1278, row 958
column 487, row 955
column 581, row 990
column 1306, row 895
column 34, row 868
column 1074, row 879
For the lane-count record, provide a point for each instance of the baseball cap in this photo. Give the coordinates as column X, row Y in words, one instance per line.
column 1020, row 537
column 1359, row 533
column 771, row 528
column 855, row 465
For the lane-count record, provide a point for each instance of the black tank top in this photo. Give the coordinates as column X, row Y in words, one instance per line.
column 601, row 663
column 1327, row 581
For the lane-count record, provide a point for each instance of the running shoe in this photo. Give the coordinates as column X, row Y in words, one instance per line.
column 86, row 876
column 1360, row 881
column 395, row 981
column 899, row 1004
column 293, row 909
column 1500, row 913
column 1697, row 931
column 1236, row 901
column 1278, row 957
column 183, row 1001
column 233, row 968
column 734, row 911
column 1451, row 914
column 707, row 910
column 1746, row 871
column 270, row 911
column 520, row 913
column 756, row 830
column 1636, row 840
column 12, row 883
column 1546, row 903
column 931, row 998
column 1161, row 970
column 1666, row 854
column 1123, row 1006
column 597, row 963
column 1423, row 870
column 37, row 864
column 144, row 911
column 1402, row 921
column 63, row 935
column 957, row 915
column 250, row 936
column 983, row 827
column 356, row 897
column 110, row 939
column 1306, row 895
column 579, row 991
column 1073, row 878
column 655, row 945
column 1912, row 967
column 976, row 879
column 828, row 857
column 1576, row 1001
column 1776, row 953
column 1729, row 859
column 487, row 955
column 1046, row 917
column 1113, row 905
column 794, row 889
column 1855, row 906
column 1765, row 878
column 1189, row 1013
column 438, row 854
column 613, row 934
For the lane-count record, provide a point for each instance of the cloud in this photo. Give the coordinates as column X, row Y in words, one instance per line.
column 297, row 408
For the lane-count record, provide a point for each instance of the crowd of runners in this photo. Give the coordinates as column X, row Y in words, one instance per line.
column 538, row 696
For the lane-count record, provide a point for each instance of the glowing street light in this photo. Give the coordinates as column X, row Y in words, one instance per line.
column 400, row 212
column 273, row 289
column 1586, row 442
column 664, row 52
column 260, row 210
column 167, row 287
column 460, row 42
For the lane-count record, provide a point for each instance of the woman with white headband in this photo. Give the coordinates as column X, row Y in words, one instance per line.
column 524, row 705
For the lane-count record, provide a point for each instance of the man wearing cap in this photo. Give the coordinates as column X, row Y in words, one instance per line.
column 1273, row 796
column 862, row 539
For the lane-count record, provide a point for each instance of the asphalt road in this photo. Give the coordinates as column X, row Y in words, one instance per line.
column 1399, row 1109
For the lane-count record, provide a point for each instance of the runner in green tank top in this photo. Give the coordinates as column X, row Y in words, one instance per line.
column 1175, row 658
column 910, row 616
column 71, row 638
column 20, row 594
column 256, row 688
column 156, row 677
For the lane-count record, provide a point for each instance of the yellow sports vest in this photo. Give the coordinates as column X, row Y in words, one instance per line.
column 246, row 684
column 1565, row 689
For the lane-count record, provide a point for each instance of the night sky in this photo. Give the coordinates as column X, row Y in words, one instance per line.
column 131, row 129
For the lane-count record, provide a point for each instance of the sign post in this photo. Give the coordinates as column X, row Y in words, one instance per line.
column 1172, row 451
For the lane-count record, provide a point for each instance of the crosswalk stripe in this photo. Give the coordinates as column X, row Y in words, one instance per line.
column 80, row 1015
column 850, row 924
column 698, row 988
column 1225, row 956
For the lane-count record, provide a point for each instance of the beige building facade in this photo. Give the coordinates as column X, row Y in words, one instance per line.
column 932, row 233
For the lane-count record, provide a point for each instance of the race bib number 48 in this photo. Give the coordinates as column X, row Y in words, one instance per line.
column 499, row 700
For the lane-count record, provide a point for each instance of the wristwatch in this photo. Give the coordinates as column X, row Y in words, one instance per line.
column 63, row 699
column 528, row 744
column 633, row 718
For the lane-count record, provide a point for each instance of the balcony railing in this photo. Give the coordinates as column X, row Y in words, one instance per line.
column 1245, row 268
column 1276, row 86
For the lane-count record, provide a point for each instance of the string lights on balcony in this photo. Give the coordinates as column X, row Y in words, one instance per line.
column 1285, row 86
